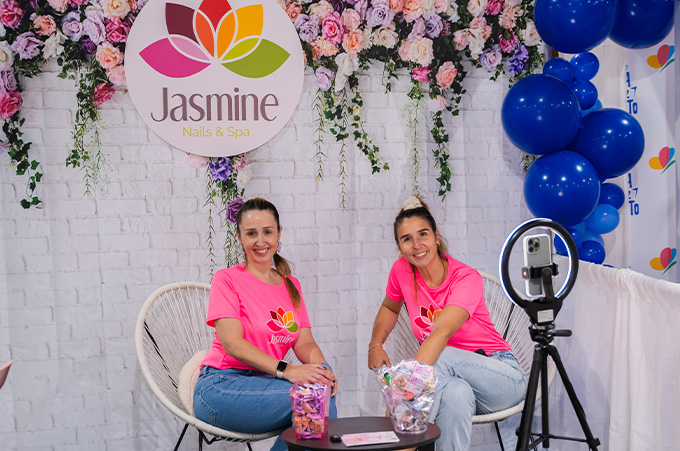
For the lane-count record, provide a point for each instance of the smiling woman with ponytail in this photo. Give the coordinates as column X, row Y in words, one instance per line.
column 258, row 313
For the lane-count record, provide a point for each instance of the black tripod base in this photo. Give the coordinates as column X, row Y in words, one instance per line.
column 539, row 371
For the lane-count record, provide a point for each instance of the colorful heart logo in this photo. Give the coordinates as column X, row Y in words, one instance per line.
column 282, row 319
column 663, row 57
column 664, row 160
column 665, row 260
column 214, row 33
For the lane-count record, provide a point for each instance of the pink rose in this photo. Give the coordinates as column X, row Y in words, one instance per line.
column 412, row 10
column 10, row 14
column 103, row 92
column 117, row 75
column 353, row 43
column 108, row 56
column 332, row 28
column 441, row 5
column 10, row 102
column 44, row 25
column 398, row 5
column 196, row 161
column 446, row 74
column 59, row 5
column 77, row 3
column 479, row 24
column 494, row 7
column 117, row 31
column 350, row 19
column 461, row 38
column 437, row 104
column 293, row 10
column 508, row 45
column 420, row 74
column 403, row 51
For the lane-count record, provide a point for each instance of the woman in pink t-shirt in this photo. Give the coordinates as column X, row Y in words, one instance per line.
column 258, row 314
column 448, row 313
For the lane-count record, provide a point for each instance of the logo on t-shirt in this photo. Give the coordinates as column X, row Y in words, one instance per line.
column 282, row 319
column 427, row 318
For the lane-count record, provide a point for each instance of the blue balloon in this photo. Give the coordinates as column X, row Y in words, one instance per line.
column 541, row 114
column 586, row 93
column 580, row 227
column 591, row 236
column 603, row 219
column 642, row 23
column 560, row 68
column 592, row 252
column 561, row 246
column 612, row 140
column 574, row 26
column 612, row 194
column 597, row 106
column 585, row 65
column 562, row 186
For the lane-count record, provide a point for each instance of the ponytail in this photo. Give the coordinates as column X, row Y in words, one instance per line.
column 283, row 268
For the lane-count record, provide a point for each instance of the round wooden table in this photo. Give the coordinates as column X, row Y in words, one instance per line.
column 341, row 426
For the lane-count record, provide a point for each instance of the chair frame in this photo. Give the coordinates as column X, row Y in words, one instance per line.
column 164, row 381
column 510, row 321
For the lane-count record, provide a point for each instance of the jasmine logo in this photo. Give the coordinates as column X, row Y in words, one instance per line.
column 214, row 77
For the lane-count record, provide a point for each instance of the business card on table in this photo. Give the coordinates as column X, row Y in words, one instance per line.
column 369, row 438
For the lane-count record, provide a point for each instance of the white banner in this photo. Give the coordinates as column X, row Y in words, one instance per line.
column 651, row 206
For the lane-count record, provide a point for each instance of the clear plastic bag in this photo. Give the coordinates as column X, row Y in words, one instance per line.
column 409, row 389
column 311, row 403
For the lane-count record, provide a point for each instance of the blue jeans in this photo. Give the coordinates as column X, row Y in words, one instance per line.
column 470, row 384
column 245, row 401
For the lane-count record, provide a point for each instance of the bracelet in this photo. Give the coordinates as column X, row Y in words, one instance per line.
column 325, row 364
column 374, row 346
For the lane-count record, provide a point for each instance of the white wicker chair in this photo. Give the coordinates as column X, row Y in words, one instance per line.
column 170, row 330
column 510, row 321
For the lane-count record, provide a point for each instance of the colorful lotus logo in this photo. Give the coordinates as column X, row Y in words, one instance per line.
column 214, row 33
column 427, row 317
column 664, row 160
column 665, row 261
column 282, row 319
column 663, row 57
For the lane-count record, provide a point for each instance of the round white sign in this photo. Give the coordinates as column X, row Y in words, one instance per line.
column 215, row 78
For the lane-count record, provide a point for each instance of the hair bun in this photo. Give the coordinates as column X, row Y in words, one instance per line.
column 411, row 203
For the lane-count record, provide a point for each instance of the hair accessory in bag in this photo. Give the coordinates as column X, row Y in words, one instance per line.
column 411, row 203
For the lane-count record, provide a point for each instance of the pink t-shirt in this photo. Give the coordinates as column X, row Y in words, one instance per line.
column 266, row 312
column 463, row 287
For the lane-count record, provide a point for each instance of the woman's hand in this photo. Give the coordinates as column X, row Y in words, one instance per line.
column 311, row 372
column 377, row 358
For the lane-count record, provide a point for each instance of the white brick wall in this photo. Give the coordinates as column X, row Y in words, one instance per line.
column 74, row 275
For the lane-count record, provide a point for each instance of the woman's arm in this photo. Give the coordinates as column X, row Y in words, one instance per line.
column 230, row 334
column 387, row 317
column 449, row 321
column 306, row 349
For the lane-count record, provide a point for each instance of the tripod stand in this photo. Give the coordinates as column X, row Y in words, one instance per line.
column 543, row 336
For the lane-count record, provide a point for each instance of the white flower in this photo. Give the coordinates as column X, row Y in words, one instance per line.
column 452, row 14
column 437, row 104
column 115, row 8
column 386, row 37
column 421, row 51
column 411, row 203
column 476, row 43
column 6, row 55
column 3, row 32
column 428, row 8
column 321, row 9
column 530, row 34
column 368, row 38
column 340, row 81
column 477, row 7
column 243, row 177
column 54, row 45
column 346, row 65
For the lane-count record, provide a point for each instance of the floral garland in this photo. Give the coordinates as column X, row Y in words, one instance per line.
column 430, row 38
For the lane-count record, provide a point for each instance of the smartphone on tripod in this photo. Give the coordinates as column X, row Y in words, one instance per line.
column 536, row 253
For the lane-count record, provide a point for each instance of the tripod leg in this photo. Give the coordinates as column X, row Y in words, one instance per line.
column 580, row 414
column 544, row 401
column 528, row 411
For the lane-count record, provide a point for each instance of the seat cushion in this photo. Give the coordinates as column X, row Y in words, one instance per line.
column 187, row 381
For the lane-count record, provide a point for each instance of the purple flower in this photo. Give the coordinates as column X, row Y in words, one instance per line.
column 27, row 45
column 233, row 208
column 446, row 29
column 491, row 57
column 433, row 26
column 518, row 62
column 360, row 7
column 324, row 78
column 94, row 29
column 141, row 3
column 31, row 5
column 309, row 28
column 71, row 26
column 379, row 14
column 338, row 5
column 88, row 46
column 7, row 81
column 351, row 2
column 220, row 168
column 418, row 30
column 4, row 147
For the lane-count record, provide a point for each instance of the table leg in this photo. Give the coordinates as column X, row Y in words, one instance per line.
column 428, row 447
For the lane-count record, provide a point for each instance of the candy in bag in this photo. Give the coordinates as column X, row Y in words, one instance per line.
column 310, row 403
